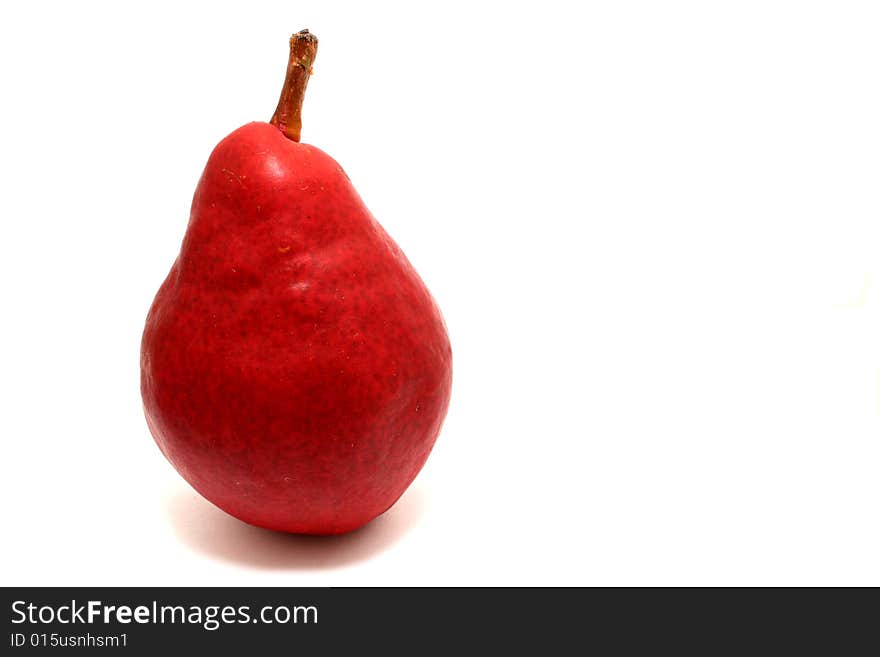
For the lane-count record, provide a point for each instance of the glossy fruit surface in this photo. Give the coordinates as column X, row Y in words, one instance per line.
column 294, row 368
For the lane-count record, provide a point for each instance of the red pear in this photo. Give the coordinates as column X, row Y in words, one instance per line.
column 295, row 370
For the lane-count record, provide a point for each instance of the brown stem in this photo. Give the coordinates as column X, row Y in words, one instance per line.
column 288, row 114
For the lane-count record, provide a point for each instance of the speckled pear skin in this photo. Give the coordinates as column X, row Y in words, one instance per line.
column 294, row 367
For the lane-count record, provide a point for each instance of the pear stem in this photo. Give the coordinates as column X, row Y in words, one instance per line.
column 288, row 114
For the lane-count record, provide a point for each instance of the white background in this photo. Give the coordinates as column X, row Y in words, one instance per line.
column 652, row 229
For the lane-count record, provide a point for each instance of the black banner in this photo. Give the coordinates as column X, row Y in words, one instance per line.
column 413, row 621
